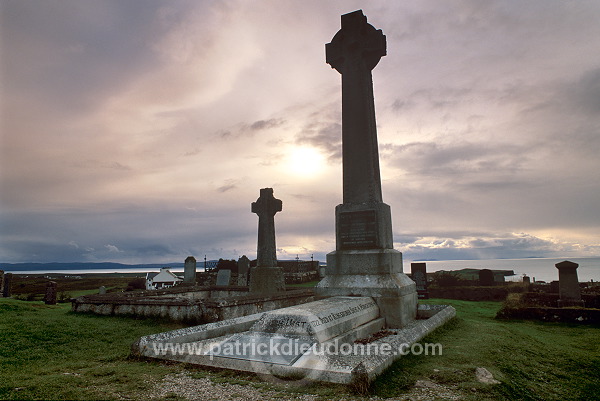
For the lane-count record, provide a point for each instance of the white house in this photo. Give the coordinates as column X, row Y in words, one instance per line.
column 162, row 279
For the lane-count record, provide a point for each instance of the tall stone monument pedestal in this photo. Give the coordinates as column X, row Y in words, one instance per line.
column 364, row 262
column 376, row 274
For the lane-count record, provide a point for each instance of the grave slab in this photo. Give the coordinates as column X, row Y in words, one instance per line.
column 223, row 277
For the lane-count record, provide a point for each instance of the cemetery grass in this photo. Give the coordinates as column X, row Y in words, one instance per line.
column 532, row 360
column 50, row 352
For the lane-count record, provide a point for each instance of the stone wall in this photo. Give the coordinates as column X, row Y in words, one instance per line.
column 210, row 278
column 299, row 278
column 469, row 293
column 186, row 306
column 566, row 315
column 551, row 300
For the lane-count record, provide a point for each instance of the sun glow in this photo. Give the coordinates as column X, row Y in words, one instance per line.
column 305, row 161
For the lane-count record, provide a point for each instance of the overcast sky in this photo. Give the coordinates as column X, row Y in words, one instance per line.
column 140, row 131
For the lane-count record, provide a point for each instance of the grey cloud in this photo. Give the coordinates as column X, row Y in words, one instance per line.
column 266, row 124
column 402, row 105
column 228, row 186
column 133, row 234
column 325, row 136
column 459, row 158
column 74, row 51
column 479, row 246
column 587, row 91
column 436, row 98
column 249, row 129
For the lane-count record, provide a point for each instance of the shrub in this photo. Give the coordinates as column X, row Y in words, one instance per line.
column 136, row 284
column 448, row 279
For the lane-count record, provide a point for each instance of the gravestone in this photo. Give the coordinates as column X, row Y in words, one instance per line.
column 526, row 280
column 223, row 277
column 364, row 262
column 418, row 272
column 189, row 270
column 50, row 297
column 1, row 283
column 7, row 290
column 486, row 277
column 243, row 268
column 266, row 277
column 102, row 290
column 568, row 284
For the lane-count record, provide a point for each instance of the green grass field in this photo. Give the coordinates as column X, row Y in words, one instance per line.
column 49, row 352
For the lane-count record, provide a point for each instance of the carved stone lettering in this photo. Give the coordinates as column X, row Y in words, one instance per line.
column 358, row 230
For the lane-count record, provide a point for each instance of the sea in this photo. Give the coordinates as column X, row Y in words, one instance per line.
column 542, row 269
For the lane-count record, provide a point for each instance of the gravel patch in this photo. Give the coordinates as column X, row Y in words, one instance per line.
column 182, row 385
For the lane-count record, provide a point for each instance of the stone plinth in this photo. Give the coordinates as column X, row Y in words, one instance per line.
column 267, row 279
column 568, row 284
column 189, row 270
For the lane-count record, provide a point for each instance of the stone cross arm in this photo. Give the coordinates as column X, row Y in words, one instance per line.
column 358, row 44
column 266, row 204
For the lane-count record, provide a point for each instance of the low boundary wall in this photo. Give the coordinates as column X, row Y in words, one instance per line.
column 204, row 305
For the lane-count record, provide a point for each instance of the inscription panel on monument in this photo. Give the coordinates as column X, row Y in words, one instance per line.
column 358, row 230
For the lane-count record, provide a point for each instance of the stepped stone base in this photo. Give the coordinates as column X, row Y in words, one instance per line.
column 375, row 273
column 266, row 280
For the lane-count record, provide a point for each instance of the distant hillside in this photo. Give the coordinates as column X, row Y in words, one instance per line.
column 16, row 267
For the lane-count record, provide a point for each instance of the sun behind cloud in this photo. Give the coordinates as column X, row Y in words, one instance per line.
column 305, row 161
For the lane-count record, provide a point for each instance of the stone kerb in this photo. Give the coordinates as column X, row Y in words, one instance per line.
column 320, row 320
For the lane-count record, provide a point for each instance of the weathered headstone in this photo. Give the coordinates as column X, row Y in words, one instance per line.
column 418, row 271
column 50, row 297
column 189, row 270
column 526, row 280
column 7, row 290
column 243, row 268
column 223, row 277
column 364, row 262
column 266, row 277
column 486, row 277
column 102, row 290
column 1, row 283
column 568, row 284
